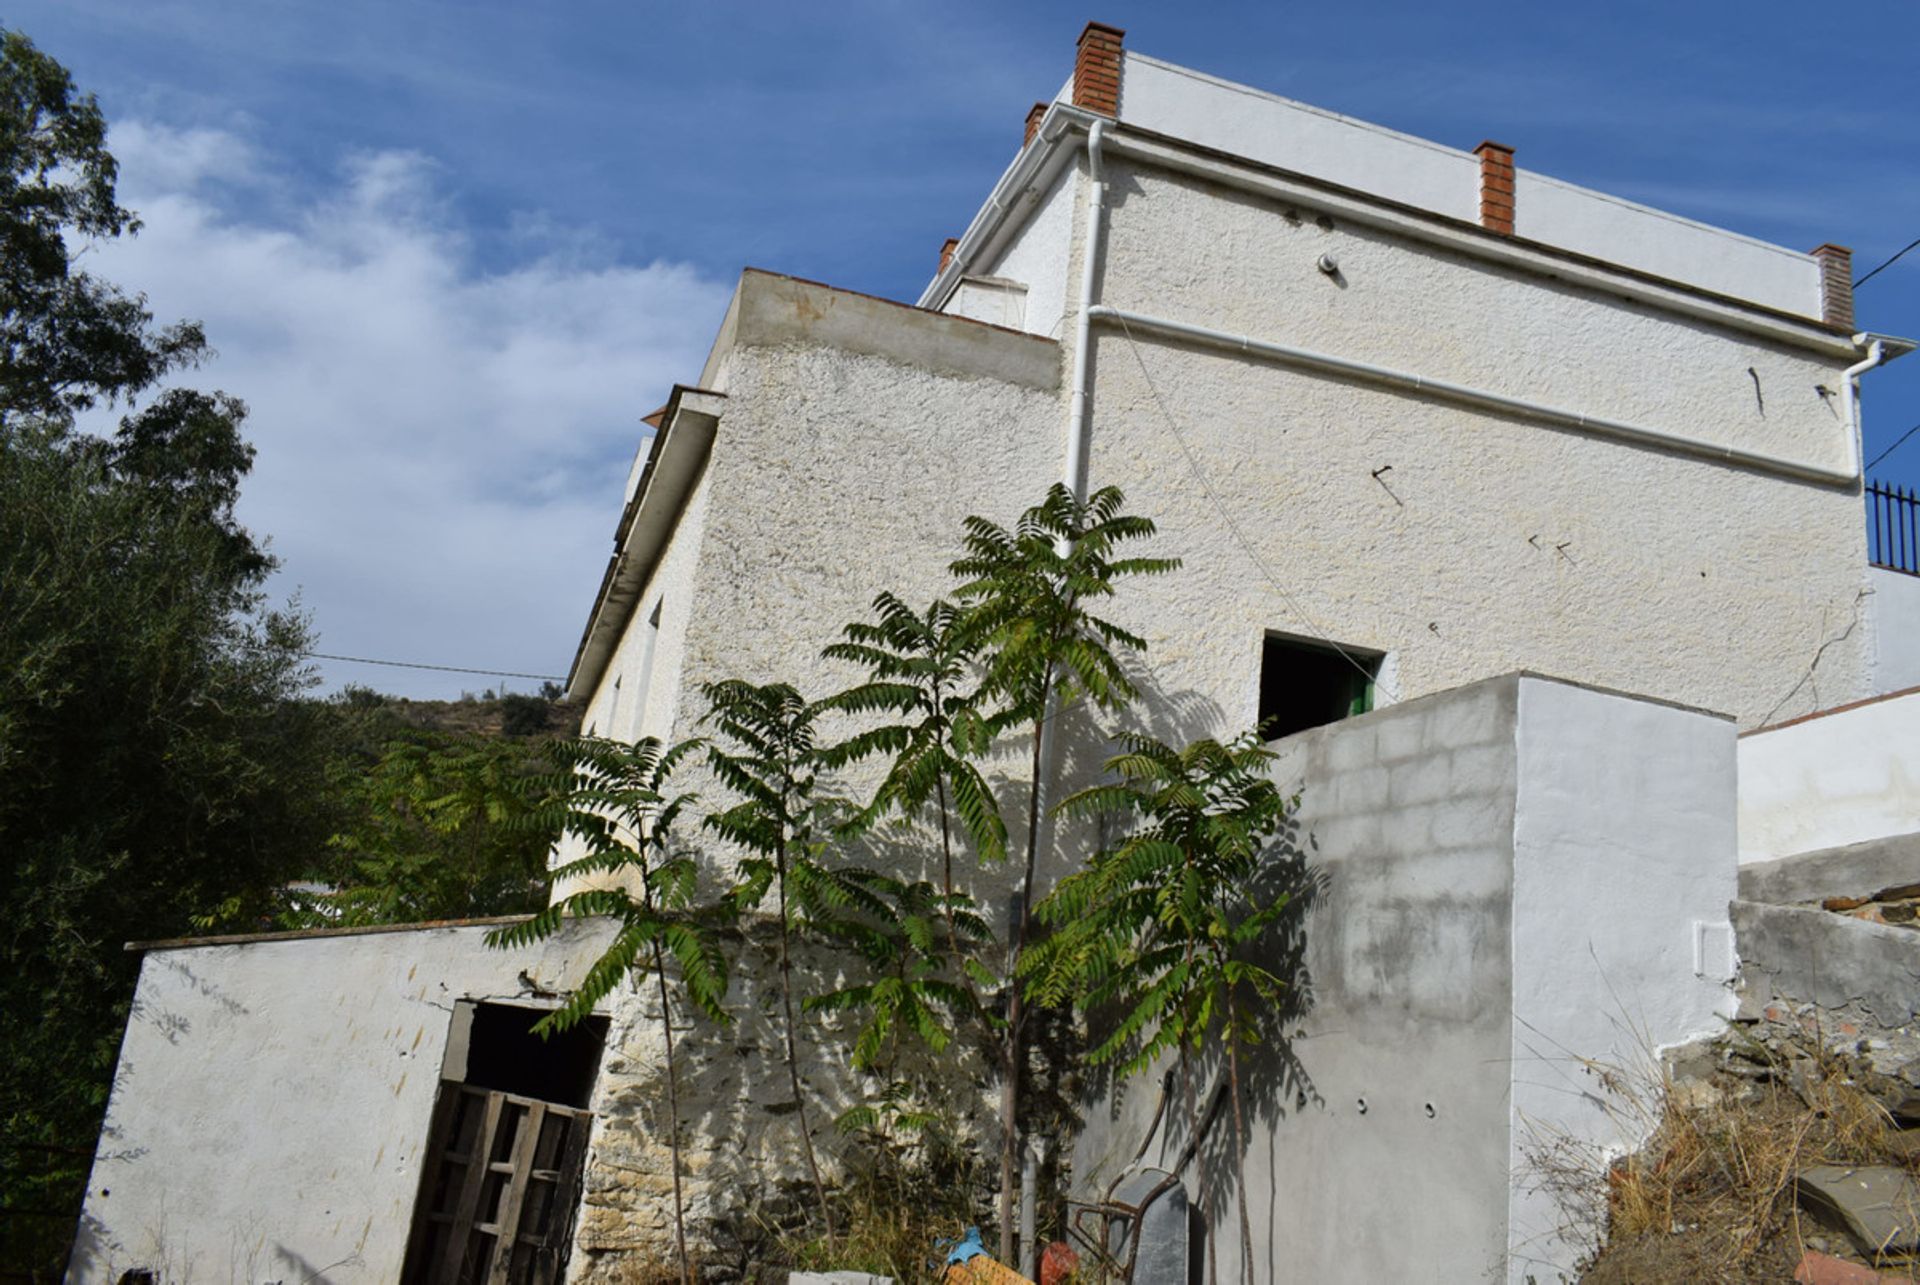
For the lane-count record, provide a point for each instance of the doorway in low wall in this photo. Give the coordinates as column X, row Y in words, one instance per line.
column 501, row 1179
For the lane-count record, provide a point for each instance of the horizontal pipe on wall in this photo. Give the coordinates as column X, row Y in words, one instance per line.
column 1368, row 372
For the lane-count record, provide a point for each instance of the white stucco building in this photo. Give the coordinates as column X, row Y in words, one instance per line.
column 1415, row 418
column 1457, row 417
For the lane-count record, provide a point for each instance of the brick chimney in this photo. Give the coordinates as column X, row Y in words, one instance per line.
column 946, row 252
column 1496, row 187
column 1033, row 122
column 1836, row 284
column 1096, row 70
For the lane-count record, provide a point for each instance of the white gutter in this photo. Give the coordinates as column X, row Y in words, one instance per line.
column 1850, row 397
column 1019, row 187
column 1288, row 354
column 1090, row 245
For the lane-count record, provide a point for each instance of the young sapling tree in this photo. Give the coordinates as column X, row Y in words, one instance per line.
column 920, row 669
column 1164, row 924
column 612, row 799
column 917, row 995
column 771, row 759
column 1031, row 593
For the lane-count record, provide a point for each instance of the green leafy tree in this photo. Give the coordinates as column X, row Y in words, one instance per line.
column 1032, row 592
column 771, row 758
column 1163, row 925
column 920, row 667
column 68, row 341
column 916, row 991
column 435, row 828
column 154, row 766
column 613, row 800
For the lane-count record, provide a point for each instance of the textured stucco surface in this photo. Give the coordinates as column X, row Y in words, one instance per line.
column 1488, row 544
column 272, row 1101
column 1838, row 779
column 837, row 475
column 1038, row 255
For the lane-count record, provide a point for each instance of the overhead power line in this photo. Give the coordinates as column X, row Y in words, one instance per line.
column 1897, row 445
column 1888, row 264
column 445, row 669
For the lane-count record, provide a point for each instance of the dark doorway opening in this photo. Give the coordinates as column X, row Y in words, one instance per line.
column 503, row 1053
column 501, row 1180
column 1306, row 684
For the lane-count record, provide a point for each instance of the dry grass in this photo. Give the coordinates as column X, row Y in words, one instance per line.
column 894, row 1216
column 1711, row 1195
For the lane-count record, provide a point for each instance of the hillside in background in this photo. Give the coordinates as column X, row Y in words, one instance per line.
column 512, row 714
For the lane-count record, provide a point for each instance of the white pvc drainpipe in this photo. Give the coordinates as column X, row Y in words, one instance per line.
column 1850, row 402
column 1501, row 402
column 1076, row 461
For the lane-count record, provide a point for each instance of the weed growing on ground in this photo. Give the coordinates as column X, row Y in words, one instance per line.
column 1710, row 1195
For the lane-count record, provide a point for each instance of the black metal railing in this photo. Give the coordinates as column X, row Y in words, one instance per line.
column 1893, row 527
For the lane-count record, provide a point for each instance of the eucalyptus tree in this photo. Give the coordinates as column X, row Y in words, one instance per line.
column 612, row 798
column 1164, row 924
column 771, row 759
column 921, row 669
column 1030, row 594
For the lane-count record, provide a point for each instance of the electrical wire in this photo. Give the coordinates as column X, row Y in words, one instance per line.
column 1897, row 445
column 1233, row 527
column 1888, row 264
column 445, row 669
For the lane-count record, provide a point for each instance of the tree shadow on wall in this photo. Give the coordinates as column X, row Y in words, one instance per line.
column 1274, row 1082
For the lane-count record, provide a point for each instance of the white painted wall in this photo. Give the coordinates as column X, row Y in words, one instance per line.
column 1894, row 612
column 1513, row 874
column 1649, row 240
column 1492, row 544
column 1830, row 780
column 273, row 1099
column 645, row 661
column 1338, row 149
column 998, row 301
column 1307, row 140
column 1623, row 868
column 1038, row 255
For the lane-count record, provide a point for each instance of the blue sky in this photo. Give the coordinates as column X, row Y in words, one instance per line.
column 451, row 251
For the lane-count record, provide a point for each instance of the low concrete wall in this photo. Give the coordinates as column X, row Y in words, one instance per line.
column 1857, row 870
column 1894, row 614
column 1832, row 779
column 1515, row 881
column 1623, row 865
column 1803, row 953
column 273, row 1099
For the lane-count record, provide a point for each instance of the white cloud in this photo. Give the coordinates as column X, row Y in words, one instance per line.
column 441, row 446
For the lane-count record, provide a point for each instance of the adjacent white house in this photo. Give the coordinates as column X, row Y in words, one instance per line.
column 1416, row 419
